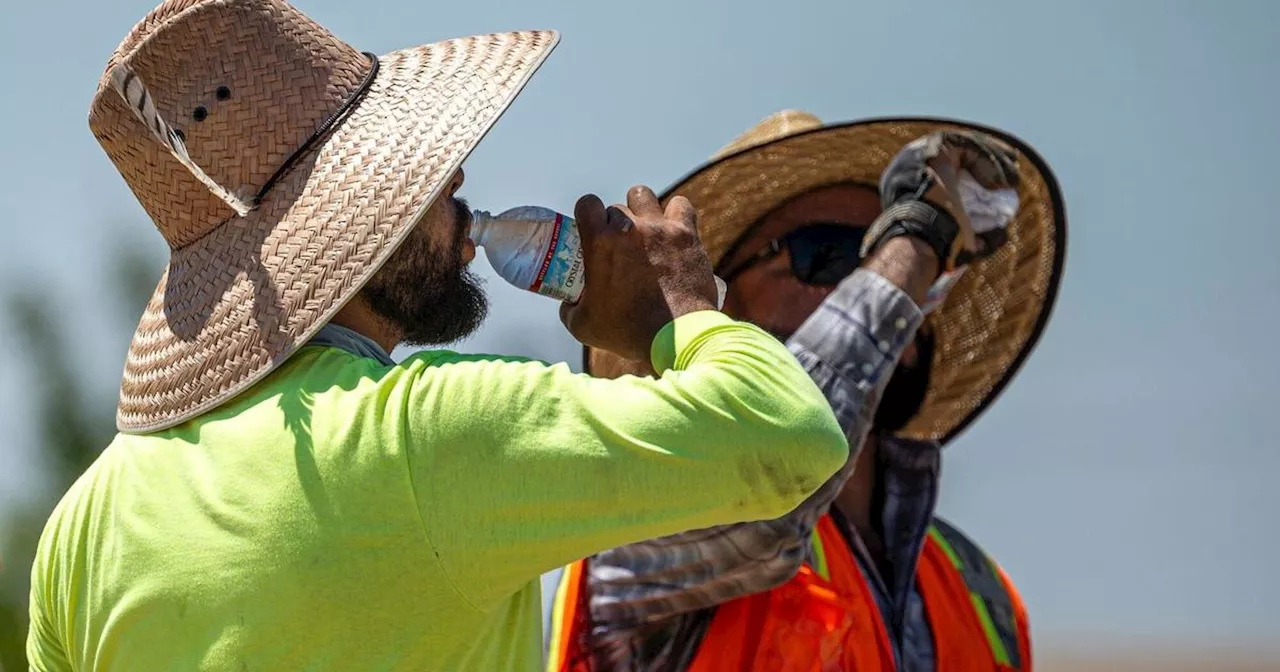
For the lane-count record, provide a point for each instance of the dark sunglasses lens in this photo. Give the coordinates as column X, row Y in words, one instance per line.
column 825, row 254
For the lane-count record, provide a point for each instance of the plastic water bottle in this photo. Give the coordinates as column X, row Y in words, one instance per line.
column 539, row 250
column 534, row 248
column 988, row 209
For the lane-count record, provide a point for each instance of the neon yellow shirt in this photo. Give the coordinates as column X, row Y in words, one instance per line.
column 346, row 515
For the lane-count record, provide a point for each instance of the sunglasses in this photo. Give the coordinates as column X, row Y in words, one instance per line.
column 822, row 253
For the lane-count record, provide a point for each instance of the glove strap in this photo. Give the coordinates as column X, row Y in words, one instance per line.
column 918, row 219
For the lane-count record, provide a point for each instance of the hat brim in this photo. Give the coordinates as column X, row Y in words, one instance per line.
column 235, row 304
column 993, row 317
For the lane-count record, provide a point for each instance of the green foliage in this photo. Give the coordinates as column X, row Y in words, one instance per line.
column 74, row 417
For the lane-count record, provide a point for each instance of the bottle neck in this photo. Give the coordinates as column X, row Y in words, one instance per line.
column 480, row 220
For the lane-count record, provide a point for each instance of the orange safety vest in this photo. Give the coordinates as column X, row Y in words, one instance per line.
column 826, row 619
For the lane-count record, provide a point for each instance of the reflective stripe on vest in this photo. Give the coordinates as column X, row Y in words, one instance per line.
column 808, row 624
column 991, row 599
column 819, row 556
column 568, row 622
column 976, row 615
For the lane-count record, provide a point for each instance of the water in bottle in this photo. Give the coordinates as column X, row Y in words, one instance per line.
column 539, row 250
column 534, row 248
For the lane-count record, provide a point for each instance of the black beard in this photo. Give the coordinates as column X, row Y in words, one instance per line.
column 906, row 390
column 428, row 294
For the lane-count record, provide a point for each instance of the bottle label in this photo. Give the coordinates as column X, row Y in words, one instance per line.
column 561, row 275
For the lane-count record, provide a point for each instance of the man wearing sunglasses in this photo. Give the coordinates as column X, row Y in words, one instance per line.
column 910, row 265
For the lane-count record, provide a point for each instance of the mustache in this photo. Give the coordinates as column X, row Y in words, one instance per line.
column 462, row 210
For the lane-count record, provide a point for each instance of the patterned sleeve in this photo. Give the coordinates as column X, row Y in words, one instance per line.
column 849, row 347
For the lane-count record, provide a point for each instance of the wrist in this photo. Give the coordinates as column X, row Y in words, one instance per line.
column 909, row 263
column 917, row 219
column 682, row 296
column 662, row 315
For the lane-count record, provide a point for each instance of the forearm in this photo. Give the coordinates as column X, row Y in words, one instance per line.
column 539, row 466
column 851, row 345
column 906, row 262
column 849, row 348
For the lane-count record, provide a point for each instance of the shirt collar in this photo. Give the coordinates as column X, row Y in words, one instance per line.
column 337, row 336
column 907, row 491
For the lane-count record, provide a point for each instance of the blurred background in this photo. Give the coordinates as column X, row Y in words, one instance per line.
column 1124, row 480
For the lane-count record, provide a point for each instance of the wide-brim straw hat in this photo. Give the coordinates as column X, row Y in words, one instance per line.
column 993, row 316
column 283, row 167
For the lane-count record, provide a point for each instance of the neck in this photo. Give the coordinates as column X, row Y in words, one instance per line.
column 857, row 497
column 358, row 317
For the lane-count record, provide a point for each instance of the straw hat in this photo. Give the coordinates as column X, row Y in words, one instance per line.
column 283, row 167
column 993, row 316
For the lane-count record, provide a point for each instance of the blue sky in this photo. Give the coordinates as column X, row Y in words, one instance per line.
column 1123, row 479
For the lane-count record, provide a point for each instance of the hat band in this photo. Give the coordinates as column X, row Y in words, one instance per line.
column 335, row 117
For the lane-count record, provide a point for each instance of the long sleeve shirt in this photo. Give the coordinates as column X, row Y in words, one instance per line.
column 652, row 602
column 348, row 513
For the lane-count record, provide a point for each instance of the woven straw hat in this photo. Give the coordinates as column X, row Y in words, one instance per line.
column 283, row 167
column 993, row 316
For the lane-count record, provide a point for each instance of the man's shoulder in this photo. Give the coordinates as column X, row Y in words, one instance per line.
column 974, row 562
column 966, row 550
column 984, row 577
column 993, row 594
